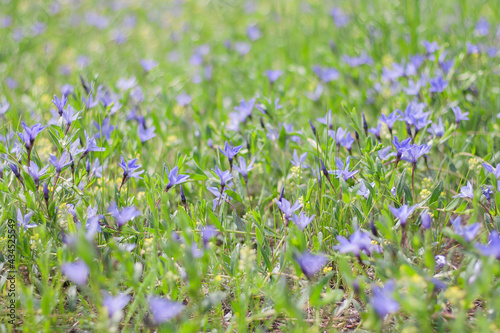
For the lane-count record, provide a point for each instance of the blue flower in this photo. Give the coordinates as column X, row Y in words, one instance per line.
column 493, row 246
column 230, row 152
column 60, row 103
column 459, row 115
column 426, row 220
column 438, row 84
column 36, row 173
column 286, row 208
column 148, row 65
column 163, row 309
column 401, row 147
column 115, row 304
column 24, row 220
column 467, row 232
column 77, row 272
column 326, row 120
column 124, row 215
column 105, row 129
column 224, row 176
column 466, row 191
column 382, row 301
column 358, row 242
column 146, row 134
column 310, row 264
column 299, row 161
column 174, row 178
column 243, row 168
column 273, row 75
column 402, row 213
column 326, row 74
column 302, row 221
column 390, row 119
column 343, row 169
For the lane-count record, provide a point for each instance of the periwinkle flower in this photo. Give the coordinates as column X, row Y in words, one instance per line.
column 376, row 131
column 310, row 264
column 414, row 152
column 89, row 102
column 383, row 301
column 25, row 220
column 184, row 99
column 466, row 191
column 242, row 48
column 302, row 221
column 36, row 173
column 430, row 47
column 402, row 213
column 224, row 176
column 487, row 192
column 440, row 261
column 343, row 169
column 163, row 309
column 124, row 215
column 326, row 74
column 148, row 64
column 358, row 242
column 115, row 304
column 426, row 220
column 91, row 146
column 129, row 169
column 230, row 152
column 60, row 103
column 468, row 232
column 482, row 27
column 493, row 246
column 105, row 129
column 315, row 96
column 243, row 168
column 390, row 119
column 208, row 233
column 348, row 140
column 273, row 75
column 146, row 134
column 69, row 116
column 174, row 178
column 219, row 197
column 364, row 190
column 287, row 208
column 77, row 272
column 385, row 153
column 30, row 133
column 401, row 147
column 326, row 120
column 459, row 115
column 299, row 161
column 438, row 84
column 472, row 48
column 340, row 18
column 437, row 130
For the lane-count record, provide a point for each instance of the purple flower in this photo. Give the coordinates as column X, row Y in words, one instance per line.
column 430, row 47
column 105, row 129
column 89, row 102
column 207, row 233
column 310, row 263
column 91, row 146
column 286, row 207
column 390, row 119
column 77, row 272
column 414, row 152
column 343, row 169
column 426, row 220
column 403, row 213
column 243, row 168
column 440, row 261
column 459, row 115
column 174, row 178
column 490, row 169
column 4, row 108
column 224, row 176
column 36, row 173
column 472, row 48
column 339, row 17
column 363, row 59
column 148, row 65
column 24, row 220
column 493, row 246
column 146, row 134
column 115, row 304
column 60, row 103
column 385, row 153
column 401, row 147
column 219, row 197
column 299, row 161
column 466, row 191
column 358, row 242
column 376, row 131
column 184, row 99
column 346, row 141
column 244, row 109
column 230, row 152
column 302, row 221
column 69, row 116
column 438, row 84
column 326, row 120
column 467, row 232
column 124, row 215
column 242, row 48
column 30, row 133
column 273, row 75
column 437, row 130
column 314, row 96
column 163, row 309
column 383, row 302
column 487, row 192
column 253, row 32
column 129, row 169
column 364, row 190
column 482, row 27
column 326, row 74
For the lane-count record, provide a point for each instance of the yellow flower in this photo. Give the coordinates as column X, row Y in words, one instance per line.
column 327, row 269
